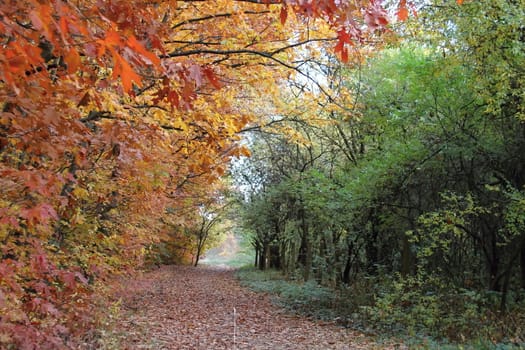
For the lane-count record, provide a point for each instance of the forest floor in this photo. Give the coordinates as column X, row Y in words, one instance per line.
column 183, row 307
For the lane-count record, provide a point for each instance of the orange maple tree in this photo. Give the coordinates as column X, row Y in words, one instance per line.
column 112, row 112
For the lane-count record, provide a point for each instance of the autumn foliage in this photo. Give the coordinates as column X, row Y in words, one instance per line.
column 118, row 114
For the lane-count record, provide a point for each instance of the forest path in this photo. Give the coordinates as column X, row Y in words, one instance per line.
column 182, row 307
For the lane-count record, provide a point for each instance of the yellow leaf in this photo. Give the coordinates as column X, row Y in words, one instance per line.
column 80, row 193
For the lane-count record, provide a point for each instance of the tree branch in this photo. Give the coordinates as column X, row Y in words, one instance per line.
column 219, row 15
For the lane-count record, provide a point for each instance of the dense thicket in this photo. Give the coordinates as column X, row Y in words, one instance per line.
column 420, row 185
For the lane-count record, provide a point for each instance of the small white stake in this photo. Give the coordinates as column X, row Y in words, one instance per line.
column 234, row 328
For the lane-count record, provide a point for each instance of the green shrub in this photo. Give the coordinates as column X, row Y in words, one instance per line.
column 425, row 311
column 428, row 307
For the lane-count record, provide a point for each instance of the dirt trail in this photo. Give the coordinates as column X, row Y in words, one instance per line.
column 178, row 307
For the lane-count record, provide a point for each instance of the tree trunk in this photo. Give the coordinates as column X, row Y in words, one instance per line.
column 348, row 265
column 198, row 255
column 523, row 265
column 196, row 260
column 372, row 257
column 407, row 259
column 262, row 257
column 495, row 277
column 306, row 246
column 308, row 260
column 267, row 256
column 275, row 258
column 203, row 236
column 508, row 273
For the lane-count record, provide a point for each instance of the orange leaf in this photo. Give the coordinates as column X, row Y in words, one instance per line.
column 112, row 38
column 128, row 76
column 63, row 26
column 188, row 93
column 117, row 67
column 284, row 14
column 84, row 100
column 344, row 55
column 245, row 152
column 136, row 46
column 73, row 61
column 40, row 19
column 16, row 62
column 126, row 73
column 212, row 78
column 402, row 13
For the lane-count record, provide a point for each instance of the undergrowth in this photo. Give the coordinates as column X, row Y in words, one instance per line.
column 427, row 314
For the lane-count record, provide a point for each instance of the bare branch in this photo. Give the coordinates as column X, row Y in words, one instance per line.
column 218, row 15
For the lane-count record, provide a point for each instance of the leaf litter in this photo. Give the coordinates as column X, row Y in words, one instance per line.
column 183, row 307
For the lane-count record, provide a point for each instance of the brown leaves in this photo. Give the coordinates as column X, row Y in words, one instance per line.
column 194, row 308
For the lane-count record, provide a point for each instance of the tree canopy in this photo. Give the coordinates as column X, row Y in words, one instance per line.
column 118, row 118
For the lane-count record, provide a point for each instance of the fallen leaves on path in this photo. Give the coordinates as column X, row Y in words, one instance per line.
column 182, row 307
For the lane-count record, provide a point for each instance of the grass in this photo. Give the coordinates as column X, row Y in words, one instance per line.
column 308, row 299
